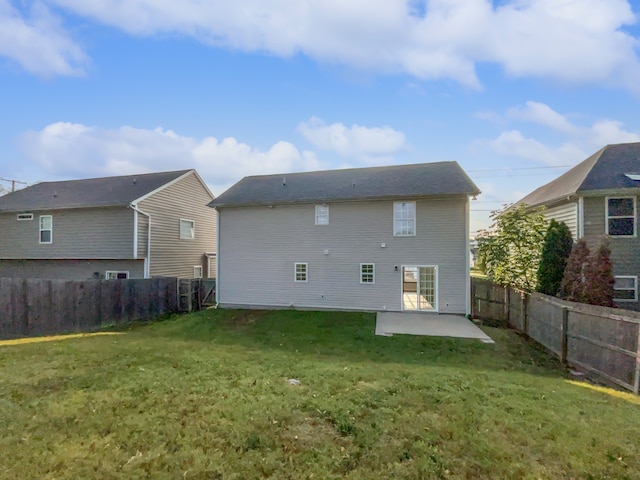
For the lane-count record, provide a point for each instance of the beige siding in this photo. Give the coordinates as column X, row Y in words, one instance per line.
column 625, row 251
column 187, row 199
column 143, row 232
column 567, row 213
column 259, row 246
column 77, row 233
column 68, row 269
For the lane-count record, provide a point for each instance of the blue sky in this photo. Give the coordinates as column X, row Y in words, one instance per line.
column 514, row 90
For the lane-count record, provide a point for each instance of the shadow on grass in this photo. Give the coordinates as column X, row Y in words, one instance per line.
column 350, row 336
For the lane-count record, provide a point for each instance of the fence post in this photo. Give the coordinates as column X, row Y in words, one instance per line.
column 564, row 344
column 636, row 383
column 507, row 305
column 525, row 312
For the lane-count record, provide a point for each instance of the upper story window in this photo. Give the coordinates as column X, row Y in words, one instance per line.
column 621, row 216
column 187, row 229
column 46, row 229
column 300, row 272
column 24, row 216
column 404, row 219
column 367, row 273
column 322, row 214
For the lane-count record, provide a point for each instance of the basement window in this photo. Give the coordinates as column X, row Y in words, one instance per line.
column 625, row 288
column 116, row 275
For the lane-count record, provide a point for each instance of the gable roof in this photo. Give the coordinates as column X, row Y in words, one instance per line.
column 92, row 192
column 606, row 169
column 400, row 181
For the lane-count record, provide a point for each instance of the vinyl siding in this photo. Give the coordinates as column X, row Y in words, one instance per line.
column 187, row 199
column 625, row 251
column 68, row 269
column 83, row 233
column 259, row 246
column 567, row 213
column 143, row 231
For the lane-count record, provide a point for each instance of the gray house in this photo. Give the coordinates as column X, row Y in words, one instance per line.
column 385, row 238
column 133, row 226
column 599, row 197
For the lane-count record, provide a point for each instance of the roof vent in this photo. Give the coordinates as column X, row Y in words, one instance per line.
column 284, row 181
column 353, row 184
column 135, row 180
column 55, row 194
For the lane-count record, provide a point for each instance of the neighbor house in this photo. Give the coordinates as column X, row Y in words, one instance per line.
column 599, row 197
column 385, row 238
column 133, row 226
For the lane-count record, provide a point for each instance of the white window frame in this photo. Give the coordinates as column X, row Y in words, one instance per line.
column 192, row 229
column 635, row 289
column 371, row 274
column 21, row 217
column 608, row 217
column 322, row 217
column 305, row 272
column 397, row 232
column 195, row 270
column 50, row 229
column 113, row 274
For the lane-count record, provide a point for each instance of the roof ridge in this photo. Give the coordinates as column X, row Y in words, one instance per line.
column 116, row 176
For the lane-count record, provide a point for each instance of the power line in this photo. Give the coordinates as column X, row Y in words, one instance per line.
column 13, row 183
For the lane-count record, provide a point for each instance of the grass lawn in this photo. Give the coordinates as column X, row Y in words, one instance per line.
column 207, row 395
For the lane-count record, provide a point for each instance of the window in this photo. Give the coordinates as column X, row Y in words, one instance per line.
column 322, row 214
column 187, row 229
column 367, row 273
column 116, row 275
column 404, row 219
column 621, row 216
column 46, row 229
column 300, row 272
column 625, row 288
column 24, row 216
column 197, row 271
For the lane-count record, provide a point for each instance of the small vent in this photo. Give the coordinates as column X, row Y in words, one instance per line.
column 25, row 216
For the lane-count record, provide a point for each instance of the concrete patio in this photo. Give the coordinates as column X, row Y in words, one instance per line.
column 428, row 324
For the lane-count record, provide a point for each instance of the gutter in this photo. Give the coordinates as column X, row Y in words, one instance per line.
column 147, row 262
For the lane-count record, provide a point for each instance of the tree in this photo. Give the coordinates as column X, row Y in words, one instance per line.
column 511, row 253
column 555, row 252
column 599, row 277
column 572, row 287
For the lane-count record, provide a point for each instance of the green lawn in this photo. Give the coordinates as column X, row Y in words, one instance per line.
column 207, row 396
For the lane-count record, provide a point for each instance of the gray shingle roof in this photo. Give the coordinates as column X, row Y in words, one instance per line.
column 604, row 170
column 401, row 181
column 92, row 192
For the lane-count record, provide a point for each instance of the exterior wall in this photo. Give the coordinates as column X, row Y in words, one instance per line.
column 186, row 199
column 143, row 233
column 259, row 246
column 83, row 233
column 68, row 269
column 567, row 213
column 625, row 251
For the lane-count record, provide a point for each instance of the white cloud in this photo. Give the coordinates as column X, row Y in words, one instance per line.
column 370, row 144
column 579, row 143
column 574, row 41
column 71, row 150
column 38, row 43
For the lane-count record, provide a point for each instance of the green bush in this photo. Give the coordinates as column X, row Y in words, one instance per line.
column 555, row 252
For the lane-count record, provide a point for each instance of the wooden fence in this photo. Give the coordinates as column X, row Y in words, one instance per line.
column 31, row 307
column 603, row 341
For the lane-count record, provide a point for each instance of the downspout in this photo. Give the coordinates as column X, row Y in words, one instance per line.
column 218, row 212
column 147, row 260
column 468, row 259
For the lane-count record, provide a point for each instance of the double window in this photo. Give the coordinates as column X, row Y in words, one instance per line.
column 187, row 229
column 46, row 229
column 404, row 219
column 116, row 275
column 322, row 214
column 625, row 288
column 621, row 216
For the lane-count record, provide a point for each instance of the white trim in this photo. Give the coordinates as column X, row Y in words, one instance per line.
column 217, row 256
column 372, row 273
column 21, row 217
column 635, row 289
column 415, row 223
column 40, row 230
column 306, row 272
column 580, row 217
column 436, row 308
column 316, row 214
column 606, row 216
column 467, row 282
column 194, row 271
column 147, row 258
column 135, row 233
column 193, row 229
column 117, row 272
